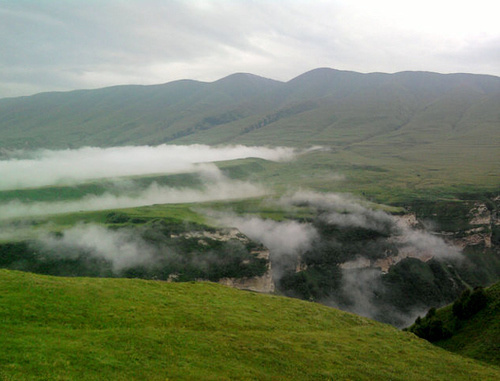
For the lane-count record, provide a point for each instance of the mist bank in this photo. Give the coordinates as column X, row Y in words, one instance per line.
column 215, row 187
column 338, row 211
column 337, row 256
column 121, row 248
column 28, row 169
column 153, row 250
column 348, row 211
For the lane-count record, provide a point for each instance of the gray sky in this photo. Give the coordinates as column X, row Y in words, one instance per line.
column 63, row 45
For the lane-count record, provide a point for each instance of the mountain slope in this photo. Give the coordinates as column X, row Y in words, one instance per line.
column 352, row 107
column 78, row 328
column 326, row 105
column 476, row 336
column 122, row 114
column 409, row 131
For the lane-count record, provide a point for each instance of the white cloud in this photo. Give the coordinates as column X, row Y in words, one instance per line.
column 216, row 188
column 344, row 211
column 46, row 167
column 123, row 248
column 285, row 238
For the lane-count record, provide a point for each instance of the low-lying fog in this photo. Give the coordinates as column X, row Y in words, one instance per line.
column 215, row 187
column 30, row 169
column 287, row 240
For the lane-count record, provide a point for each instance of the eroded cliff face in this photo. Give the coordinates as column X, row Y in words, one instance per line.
column 264, row 283
column 395, row 271
column 405, row 222
column 484, row 221
column 481, row 220
column 223, row 235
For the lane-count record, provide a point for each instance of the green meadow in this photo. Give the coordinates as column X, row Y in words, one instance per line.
column 116, row 329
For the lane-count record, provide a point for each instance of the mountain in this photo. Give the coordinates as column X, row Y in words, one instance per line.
column 87, row 329
column 411, row 130
column 323, row 106
column 122, row 114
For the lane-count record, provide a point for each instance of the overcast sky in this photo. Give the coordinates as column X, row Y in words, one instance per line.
column 63, row 45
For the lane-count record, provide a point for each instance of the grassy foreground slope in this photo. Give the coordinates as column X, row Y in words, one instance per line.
column 78, row 328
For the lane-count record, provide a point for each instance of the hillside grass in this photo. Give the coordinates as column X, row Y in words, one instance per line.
column 479, row 336
column 99, row 187
column 23, row 228
column 90, row 329
column 389, row 179
column 188, row 215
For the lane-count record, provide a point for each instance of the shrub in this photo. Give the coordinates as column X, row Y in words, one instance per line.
column 470, row 303
column 117, row 218
column 430, row 327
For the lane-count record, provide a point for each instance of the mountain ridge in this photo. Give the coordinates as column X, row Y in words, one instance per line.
column 422, row 126
column 236, row 74
column 171, row 111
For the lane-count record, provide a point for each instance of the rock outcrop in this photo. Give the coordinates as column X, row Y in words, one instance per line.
column 264, row 283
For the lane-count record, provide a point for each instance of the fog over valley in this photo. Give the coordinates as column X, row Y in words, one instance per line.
column 27, row 169
column 229, row 189
column 337, row 253
column 214, row 188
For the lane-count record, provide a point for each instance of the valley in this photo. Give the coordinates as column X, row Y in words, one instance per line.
column 376, row 194
column 335, row 249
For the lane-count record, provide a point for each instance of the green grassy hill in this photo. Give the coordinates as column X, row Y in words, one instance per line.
column 476, row 336
column 323, row 106
column 387, row 134
column 122, row 115
column 90, row 329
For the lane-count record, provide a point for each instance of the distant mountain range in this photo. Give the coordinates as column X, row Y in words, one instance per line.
column 323, row 106
column 409, row 131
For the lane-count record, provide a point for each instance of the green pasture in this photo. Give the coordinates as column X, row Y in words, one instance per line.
column 123, row 329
